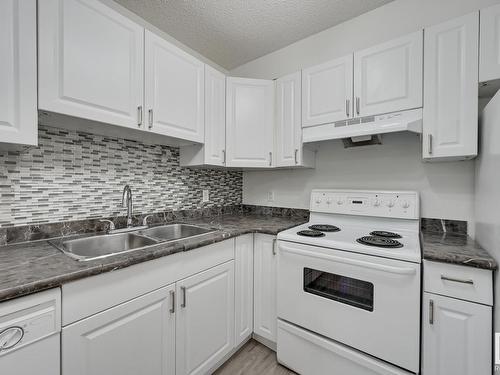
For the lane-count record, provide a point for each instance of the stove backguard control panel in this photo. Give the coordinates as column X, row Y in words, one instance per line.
column 392, row 204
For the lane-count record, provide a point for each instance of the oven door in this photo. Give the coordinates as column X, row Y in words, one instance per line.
column 369, row 303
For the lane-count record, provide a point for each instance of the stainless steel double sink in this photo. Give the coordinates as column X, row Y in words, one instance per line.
column 101, row 246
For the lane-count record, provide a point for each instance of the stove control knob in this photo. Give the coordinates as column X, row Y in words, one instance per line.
column 376, row 202
column 390, row 203
column 405, row 204
column 329, row 201
column 340, row 201
column 318, row 200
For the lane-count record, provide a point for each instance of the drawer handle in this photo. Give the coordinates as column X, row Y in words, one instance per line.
column 463, row 281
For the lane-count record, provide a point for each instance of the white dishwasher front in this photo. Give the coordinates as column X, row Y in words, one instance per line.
column 30, row 329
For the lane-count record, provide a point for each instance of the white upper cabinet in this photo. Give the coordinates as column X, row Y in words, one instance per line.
column 205, row 319
column 90, row 62
column 327, row 92
column 289, row 150
column 249, row 122
column 489, row 58
column 450, row 122
column 213, row 151
column 174, row 82
column 457, row 336
column 18, row 114
column 388, row 77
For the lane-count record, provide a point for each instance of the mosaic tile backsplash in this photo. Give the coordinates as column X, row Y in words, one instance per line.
column 74, row 175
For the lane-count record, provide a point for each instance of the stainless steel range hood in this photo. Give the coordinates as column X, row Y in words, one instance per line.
column 410, row 120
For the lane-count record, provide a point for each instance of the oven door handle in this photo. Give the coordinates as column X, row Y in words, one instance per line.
column 353, row 262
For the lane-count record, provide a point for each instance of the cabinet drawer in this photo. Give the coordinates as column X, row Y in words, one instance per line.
column 467, row 283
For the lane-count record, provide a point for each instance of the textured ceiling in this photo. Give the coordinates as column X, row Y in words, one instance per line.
column 233, row 32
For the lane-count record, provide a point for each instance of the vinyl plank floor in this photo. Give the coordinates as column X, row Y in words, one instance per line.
column 253, row 359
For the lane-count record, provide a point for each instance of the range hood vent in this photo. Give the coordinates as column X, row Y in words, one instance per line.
column 410, row 120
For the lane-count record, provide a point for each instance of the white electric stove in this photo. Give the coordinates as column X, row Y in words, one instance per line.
column 349, row 285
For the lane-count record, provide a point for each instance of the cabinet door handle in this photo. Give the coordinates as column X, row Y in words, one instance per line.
column 429, row 139
column 274, row 246
column 224, row 157
column 172, row 298
column 431, row 312
column 463, row 281
column 347, row 105
column 139, row 116
column 357, row 105
column 296, row 156
column 150, row 118
column 183, row 290
column 270, row 159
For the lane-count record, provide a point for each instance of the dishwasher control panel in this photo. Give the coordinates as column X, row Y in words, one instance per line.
column 29, row 319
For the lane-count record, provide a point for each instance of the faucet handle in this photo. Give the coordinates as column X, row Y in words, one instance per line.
column 145, row 220
column 111, row 224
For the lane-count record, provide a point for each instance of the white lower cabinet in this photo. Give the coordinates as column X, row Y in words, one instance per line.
column 243, row 288
column 136, row 337
column 456, row 337
column 204, row 319
column 265, row 317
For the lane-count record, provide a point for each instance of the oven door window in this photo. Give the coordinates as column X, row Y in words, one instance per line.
column 354, row 292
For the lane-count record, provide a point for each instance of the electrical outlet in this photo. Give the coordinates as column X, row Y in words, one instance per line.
column 270, row 196
column 206, row 197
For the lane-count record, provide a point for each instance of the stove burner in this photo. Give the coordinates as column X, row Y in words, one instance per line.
column 324, row 227
column 379, row 242
column 383, row 233
column 310, row 233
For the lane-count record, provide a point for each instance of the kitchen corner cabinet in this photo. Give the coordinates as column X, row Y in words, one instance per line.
column 265, row 267
column 456, row 336
column 91, row 62
column 18, row 73
column 136, row 337
column 388, row 76
column 174, row 96
column 327, row 92
column 213, row 151
column 205, row 319
column 289, row 149
column 243, row 285
column 250, row 122
column 450, row 116
column 489, row 44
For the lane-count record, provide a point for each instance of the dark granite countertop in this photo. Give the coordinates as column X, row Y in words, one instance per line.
column 34, row 266
column 455, row 248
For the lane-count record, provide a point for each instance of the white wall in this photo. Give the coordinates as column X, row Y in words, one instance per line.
column 487, row 203
column 446, row 188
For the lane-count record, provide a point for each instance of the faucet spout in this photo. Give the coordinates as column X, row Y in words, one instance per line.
column 127, row 197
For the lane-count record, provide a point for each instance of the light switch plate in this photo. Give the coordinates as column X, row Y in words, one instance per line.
column 206, row 197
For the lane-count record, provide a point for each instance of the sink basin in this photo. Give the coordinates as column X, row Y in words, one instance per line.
column 95, row 247
column 174, row 232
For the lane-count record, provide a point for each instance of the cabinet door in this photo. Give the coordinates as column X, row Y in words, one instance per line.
column 205, row 319
column 450, row 122
column 18, row 114
column 215, row 117
column 249, row 122
column 489, row 49
column 90, row 62
column 174, row 90
column 327, row 92
column 136, row 337
column 388, row 77
column 288, row 122
column 457, row 337
column 265, row 286
column 243, row 285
